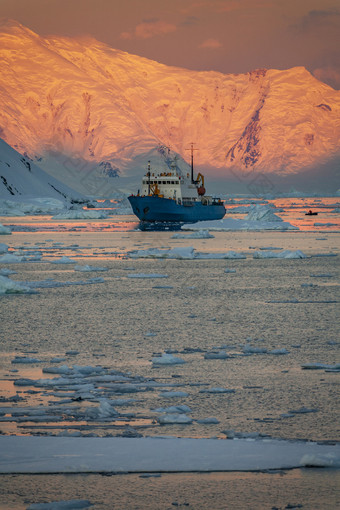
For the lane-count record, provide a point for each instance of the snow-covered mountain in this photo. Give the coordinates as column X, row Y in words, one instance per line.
column 21, row 178
column 78, row 107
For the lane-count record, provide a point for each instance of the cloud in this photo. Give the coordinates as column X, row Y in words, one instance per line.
column 211, row 44
column 148, row 29
column 317, row 19
column 329, row 75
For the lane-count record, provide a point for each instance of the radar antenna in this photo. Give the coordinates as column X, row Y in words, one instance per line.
column 192, row 149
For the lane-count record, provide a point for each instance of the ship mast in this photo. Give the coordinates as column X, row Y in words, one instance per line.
column 192, row 149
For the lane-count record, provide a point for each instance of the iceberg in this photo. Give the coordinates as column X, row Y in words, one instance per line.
column 4, row 230
column 8, row 286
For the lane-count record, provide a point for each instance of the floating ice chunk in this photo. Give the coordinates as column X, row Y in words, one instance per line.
column 286, row 254
column 303, row 410
column 185, row 252
column 216, row 355
column 149, row 334
column 278, row 352
column 173, row 409
column 3, row 248
column 217, row 390
column 170, row 419
column 200, row 234
column 63, row 260
column 10, row 258
column 319, row 460
column 25, row 359
column 249, row 349
column 4, row 230
column 324, row 224
column 262, row 213
column 87, row 268
column 57, row 360
column 228, row 270
column 322, row 275
column 321, row 366
column 167, row 359
column 71, row 353
column 208, row 421
column 173, row 394
column 71, row 504
column 228, row 255
column 105, row 410
column 8, row 286
column 147, row 275
column 4, row 271
column 80, row 214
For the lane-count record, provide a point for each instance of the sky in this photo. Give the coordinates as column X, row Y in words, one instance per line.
column 229, row 36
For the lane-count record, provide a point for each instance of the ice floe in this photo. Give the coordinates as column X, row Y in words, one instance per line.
column 118, row 454
column 147, row 275
column 80, row 214
column 4, row 230
column 200, row 234
column 10, row 258
column 70, row 504
column 321, row 366
column 259, row 217
column 185, row 252
column 217, row 390
column 63, row 260
column 167, row 359
column 286, row 254
column 88, row 269
column 8, row 286
column 170, row 419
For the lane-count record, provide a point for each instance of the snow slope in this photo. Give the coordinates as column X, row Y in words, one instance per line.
column 21, row 178
column 78, row 105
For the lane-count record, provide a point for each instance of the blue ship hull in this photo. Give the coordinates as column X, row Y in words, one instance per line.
column 155, row 208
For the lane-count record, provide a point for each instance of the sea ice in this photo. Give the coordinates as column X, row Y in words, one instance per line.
column 71, row 504
column 173, row 394
column 228, row 270
column 88, row 268
column 63, row 260
column 170, row 419
column 3, row 248
column 8, row 286
column 80, row 214
column 201, row 234
column 217, row 390
column 286, row 254
column 249, row 349
column 208, row 421
column 183, row 252
column 321, row 366
column 25, row 359
column 278, row 352
column 182, row 409
column 167, row 359
column 10, row 258
column 216, row 355
column 147, row 275
column 4, row 230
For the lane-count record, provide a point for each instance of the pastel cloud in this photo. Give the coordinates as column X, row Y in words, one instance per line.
column 211, row 44
column 148, row 29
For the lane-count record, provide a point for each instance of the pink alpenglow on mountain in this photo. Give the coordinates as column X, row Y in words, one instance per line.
column 78, row 103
